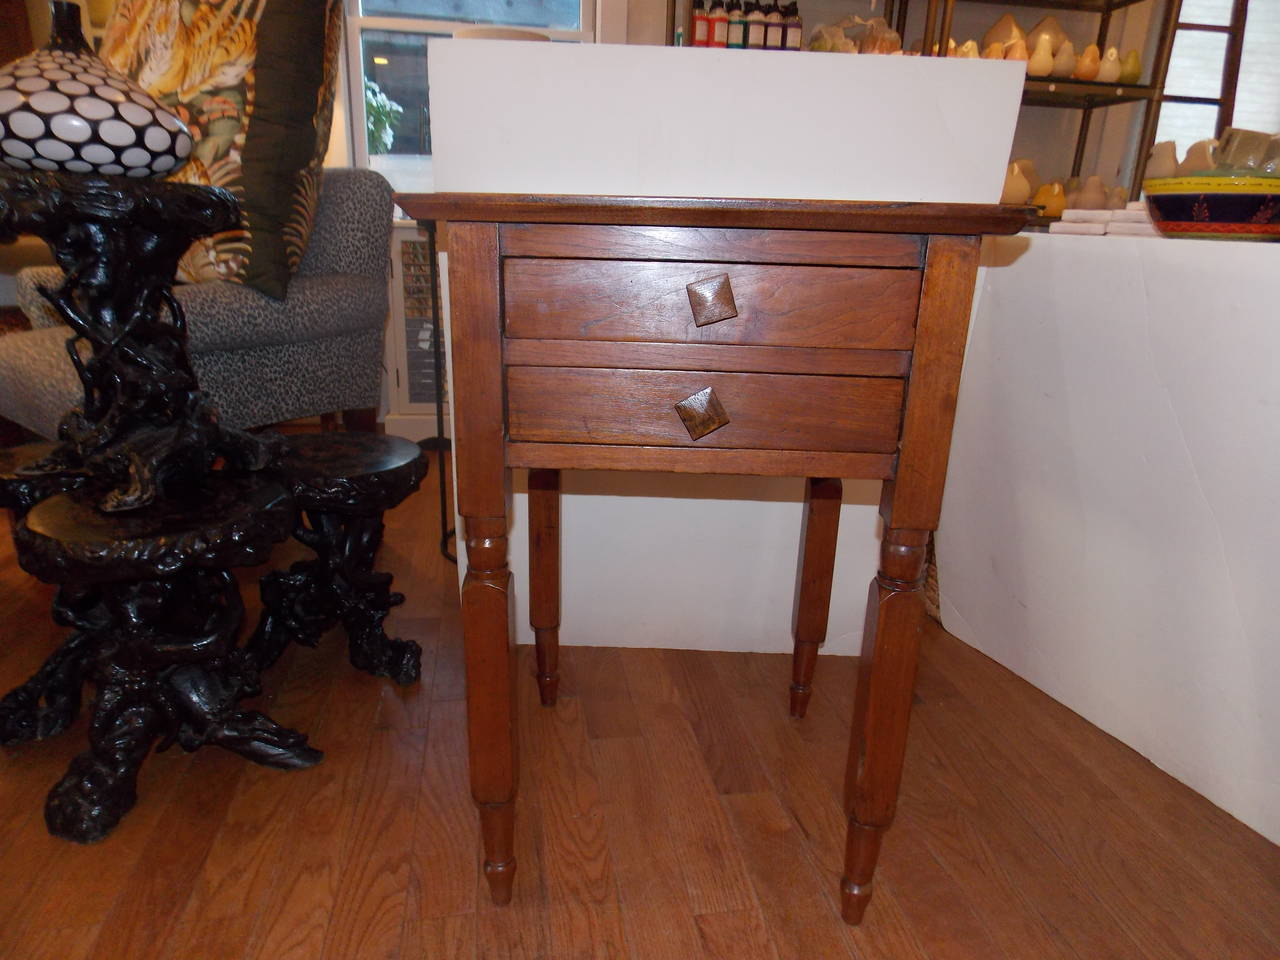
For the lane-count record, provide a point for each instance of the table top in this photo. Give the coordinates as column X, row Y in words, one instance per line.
column 48, row 203
column 229, row 523
column 933, row 218
column 358, row 473
column 328, row 456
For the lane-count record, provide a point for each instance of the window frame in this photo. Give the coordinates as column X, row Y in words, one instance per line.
column 357, row 22
column 1234, row 30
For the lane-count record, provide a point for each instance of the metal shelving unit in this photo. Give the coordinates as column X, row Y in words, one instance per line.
column 1084, row 96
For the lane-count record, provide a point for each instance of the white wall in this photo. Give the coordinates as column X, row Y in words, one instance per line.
column 1111, row 528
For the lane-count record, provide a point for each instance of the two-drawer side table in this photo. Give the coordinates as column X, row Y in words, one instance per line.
column 770, row 337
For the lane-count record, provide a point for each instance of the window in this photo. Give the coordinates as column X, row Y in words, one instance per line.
column 554, row 14
column 387, row 57
column 1224, row 70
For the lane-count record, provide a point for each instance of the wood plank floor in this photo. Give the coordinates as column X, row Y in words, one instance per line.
column 668, row 809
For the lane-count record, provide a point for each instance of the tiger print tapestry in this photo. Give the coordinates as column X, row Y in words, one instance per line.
column 254, row 81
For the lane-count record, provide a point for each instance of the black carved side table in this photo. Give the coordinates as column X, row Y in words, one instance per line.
column 147, row 502
column 342, row 483
column 156, row 613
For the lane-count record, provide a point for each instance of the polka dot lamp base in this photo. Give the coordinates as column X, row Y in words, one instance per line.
column 61, row 108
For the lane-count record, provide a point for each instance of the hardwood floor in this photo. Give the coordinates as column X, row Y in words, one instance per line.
column 669, row 808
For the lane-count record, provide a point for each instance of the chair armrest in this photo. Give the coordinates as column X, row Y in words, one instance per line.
column 352, row 229
column 229, row 316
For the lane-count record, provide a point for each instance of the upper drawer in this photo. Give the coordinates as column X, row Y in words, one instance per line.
column 784, row 306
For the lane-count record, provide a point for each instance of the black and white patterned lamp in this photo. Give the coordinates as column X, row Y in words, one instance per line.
column 61, row 108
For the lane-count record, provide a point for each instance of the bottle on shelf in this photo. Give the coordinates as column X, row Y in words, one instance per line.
column 736, row 37
column 718, row 25
column 774, row 27
column 701, row 24
column 794, row 36
column 755, row 27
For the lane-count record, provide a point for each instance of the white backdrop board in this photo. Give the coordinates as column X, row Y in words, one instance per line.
column 1111, row 526
column 512, row 117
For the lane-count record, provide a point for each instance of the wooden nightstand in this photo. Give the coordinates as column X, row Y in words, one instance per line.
column 768, row 337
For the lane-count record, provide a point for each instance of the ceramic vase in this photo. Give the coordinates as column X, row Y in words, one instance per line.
column 1088, row 63
column 1048, row 27
column 1131, row 67
column 61, row 108
column 1004, row 32
column 1109, row 68
column 1041, row 62
column 1064, row 61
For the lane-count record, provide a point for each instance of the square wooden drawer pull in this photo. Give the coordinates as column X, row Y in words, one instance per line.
column 711, row 300
column 702, row 413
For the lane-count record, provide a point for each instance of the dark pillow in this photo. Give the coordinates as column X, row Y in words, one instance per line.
column 254, row 81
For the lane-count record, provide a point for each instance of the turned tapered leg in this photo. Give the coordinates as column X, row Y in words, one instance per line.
column 882, row 706
column 484, row 496
column 544, row 578
column 813, row 587
column 491, row 720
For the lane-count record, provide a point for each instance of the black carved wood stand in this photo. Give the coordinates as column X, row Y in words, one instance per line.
column 156, row 614
column 342, row 483
column 145, row 505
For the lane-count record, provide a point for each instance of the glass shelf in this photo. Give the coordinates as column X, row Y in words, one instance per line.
column 1079, row 94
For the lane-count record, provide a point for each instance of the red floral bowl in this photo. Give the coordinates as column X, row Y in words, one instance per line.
column 1215, row 207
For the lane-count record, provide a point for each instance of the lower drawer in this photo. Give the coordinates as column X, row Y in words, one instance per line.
column 763, row 411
